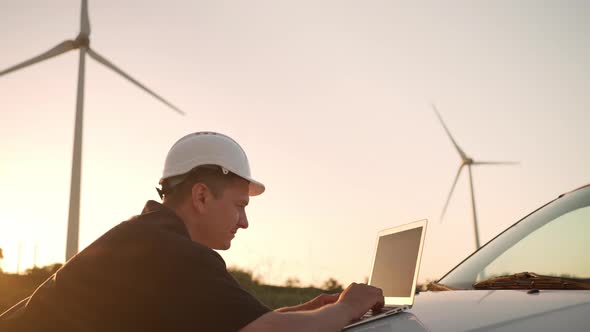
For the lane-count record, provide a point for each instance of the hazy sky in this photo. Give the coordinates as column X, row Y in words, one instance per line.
column 330, row 100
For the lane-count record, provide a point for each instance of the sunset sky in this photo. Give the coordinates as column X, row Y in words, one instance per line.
column 330, row 100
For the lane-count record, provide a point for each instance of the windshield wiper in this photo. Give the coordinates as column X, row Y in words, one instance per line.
column 530, row 280
column 436, row 287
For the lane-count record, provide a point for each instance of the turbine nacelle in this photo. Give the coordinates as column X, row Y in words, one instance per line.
column 467, row 161
column 81, row 40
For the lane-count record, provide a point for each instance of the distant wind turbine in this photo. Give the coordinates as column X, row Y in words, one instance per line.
column 82, row 42
column 466, row 161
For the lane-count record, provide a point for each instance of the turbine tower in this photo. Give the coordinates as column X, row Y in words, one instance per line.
column 82, row 42
column 466, row 161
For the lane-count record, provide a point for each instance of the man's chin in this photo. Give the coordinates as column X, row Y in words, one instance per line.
column 223, row 246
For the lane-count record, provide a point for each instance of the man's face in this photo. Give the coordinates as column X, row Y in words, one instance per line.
column 223, row 216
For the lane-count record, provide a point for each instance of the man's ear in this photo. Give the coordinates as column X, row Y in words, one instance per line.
column 200, row 195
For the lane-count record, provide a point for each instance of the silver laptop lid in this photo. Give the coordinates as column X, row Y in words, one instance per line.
column 397, row 261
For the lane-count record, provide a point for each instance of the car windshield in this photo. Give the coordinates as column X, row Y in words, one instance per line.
column 551, row 243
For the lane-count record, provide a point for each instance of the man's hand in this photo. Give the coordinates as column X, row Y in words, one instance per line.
column 359, row 298
column 323, row 314
column 322, row 300
column 313, row 304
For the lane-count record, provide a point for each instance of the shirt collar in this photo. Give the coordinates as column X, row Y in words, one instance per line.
column 165, row 217
column 153, row 206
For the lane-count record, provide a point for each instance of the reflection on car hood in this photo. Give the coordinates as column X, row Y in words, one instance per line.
column 491, row 310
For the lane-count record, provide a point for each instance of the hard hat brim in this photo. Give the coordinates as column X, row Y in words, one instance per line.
column 255, row 188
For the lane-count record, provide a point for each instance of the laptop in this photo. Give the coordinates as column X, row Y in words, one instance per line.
column 395, row 268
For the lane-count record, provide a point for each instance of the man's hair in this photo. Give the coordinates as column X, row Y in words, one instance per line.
column 177, row 189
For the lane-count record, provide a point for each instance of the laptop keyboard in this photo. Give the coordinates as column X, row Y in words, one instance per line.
column 372, row 313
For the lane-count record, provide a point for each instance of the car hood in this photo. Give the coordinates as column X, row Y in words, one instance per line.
column 490, row 310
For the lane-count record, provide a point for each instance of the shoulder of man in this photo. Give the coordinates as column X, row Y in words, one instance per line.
column 146, row 242
column 139, row 270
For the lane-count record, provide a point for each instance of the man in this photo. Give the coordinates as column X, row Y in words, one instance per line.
column 158, row 271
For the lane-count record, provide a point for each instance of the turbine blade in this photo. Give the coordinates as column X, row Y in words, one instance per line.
column 495, row 163
column 60, row 48
column 107, row 63
column 451, row 192
column 461, row 153
column 84, row 20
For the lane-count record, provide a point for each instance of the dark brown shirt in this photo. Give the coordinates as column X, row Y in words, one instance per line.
column 143, row 275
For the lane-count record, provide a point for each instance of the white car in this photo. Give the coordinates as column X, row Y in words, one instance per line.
column 534, row 276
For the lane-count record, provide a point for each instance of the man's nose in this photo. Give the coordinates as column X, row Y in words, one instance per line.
column 243, row 221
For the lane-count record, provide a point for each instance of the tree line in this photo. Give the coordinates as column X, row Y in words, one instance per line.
column 15, row 287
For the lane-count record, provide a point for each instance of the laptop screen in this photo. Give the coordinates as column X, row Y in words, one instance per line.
column 395, row 263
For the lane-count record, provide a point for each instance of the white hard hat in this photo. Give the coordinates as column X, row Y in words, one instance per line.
column 209, row 148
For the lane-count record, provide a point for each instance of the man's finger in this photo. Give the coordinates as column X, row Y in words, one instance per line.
column 377, row 307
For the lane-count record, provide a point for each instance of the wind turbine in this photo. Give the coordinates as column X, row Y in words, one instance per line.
column 466, row 161
column 82, row 42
